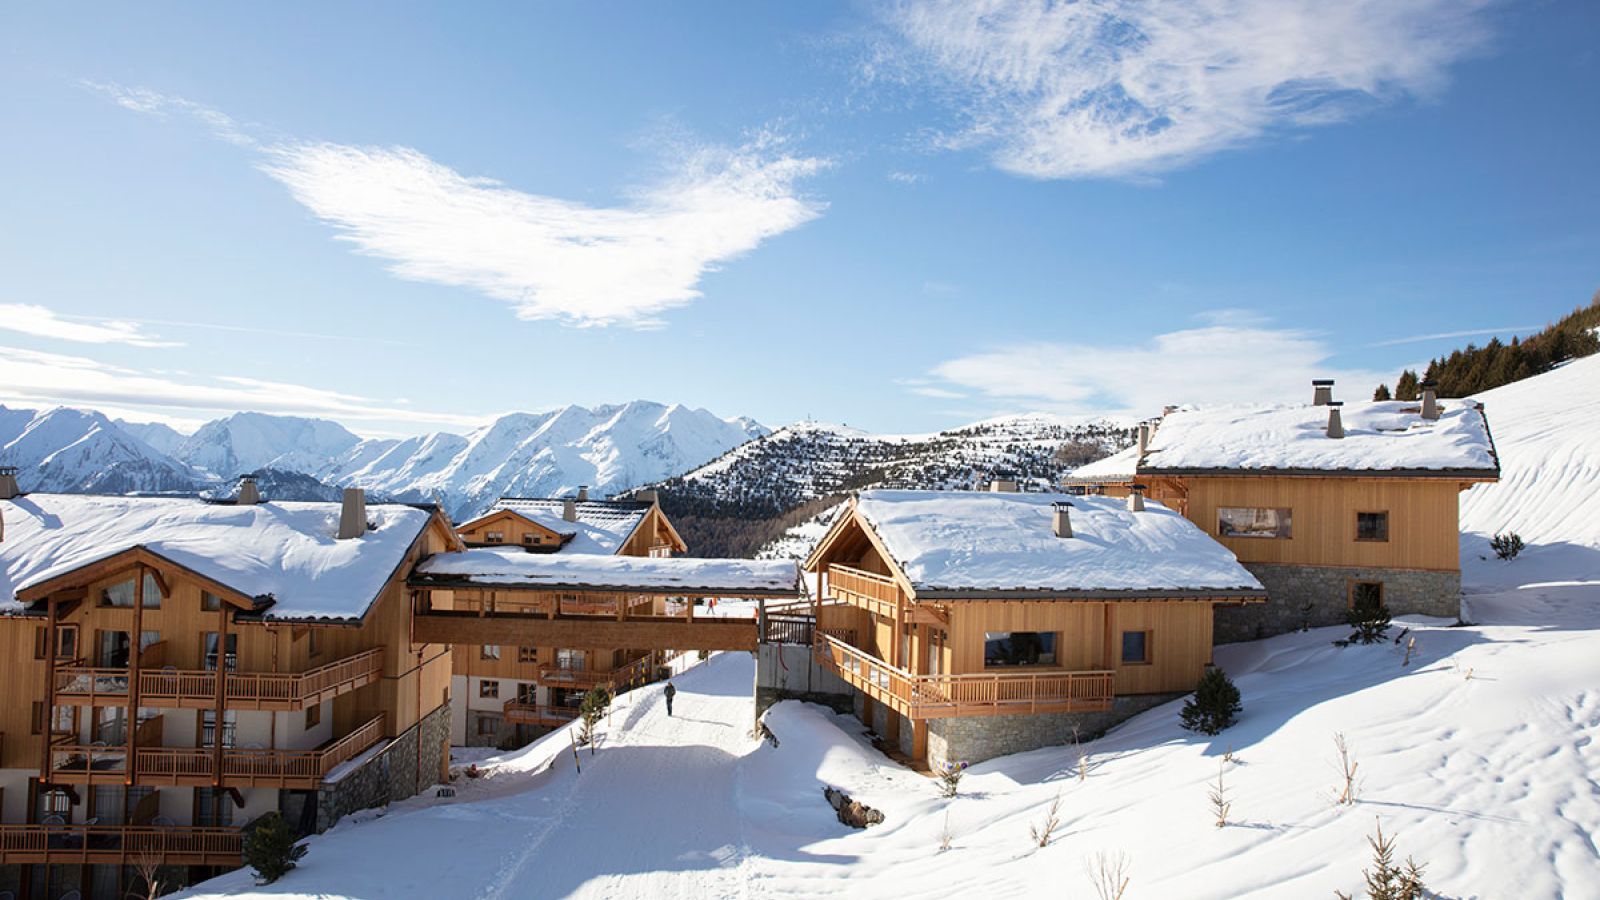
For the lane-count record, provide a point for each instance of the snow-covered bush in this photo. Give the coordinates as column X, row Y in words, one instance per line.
column 1506, row 546
column 1215, row 704
column 950, row 777
column 270, row 848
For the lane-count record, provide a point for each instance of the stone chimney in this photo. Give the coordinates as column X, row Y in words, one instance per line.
column 1321, row 391
column 569, row 510
column 1136, row 499
column 647, row 495
column 1002, row 486
column 1430, row 399
column 583, row 493
column 1062, row 519
column 353, row 514
column 8, row 483
column 1335, row 424
column 1144, row 438
column 249, row 494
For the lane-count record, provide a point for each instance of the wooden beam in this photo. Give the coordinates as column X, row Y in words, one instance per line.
column 637, row 633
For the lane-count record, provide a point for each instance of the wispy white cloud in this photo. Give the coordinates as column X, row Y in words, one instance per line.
column 907, row 178
column 1226, row 359
column 40, row 321
column 552, row 258
column 1117, row 88
column 548, row 257
column 1418, row 338
column 31, row 377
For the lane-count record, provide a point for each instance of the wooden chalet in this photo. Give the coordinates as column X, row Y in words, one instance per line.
column 507, row 694
column 946, row 611
column 1332, row 506
column 173, row 669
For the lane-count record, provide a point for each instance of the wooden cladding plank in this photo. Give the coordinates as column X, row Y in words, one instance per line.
column 642, row 633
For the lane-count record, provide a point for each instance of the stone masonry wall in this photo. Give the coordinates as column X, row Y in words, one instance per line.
column 1314, row 596
column 392, row 774
column 973, row 739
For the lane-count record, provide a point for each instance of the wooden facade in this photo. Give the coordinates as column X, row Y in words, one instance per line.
column 166, row 684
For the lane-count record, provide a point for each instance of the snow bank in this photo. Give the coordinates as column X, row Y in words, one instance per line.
column 580, row 570
column 283, row 550
column 967, row 540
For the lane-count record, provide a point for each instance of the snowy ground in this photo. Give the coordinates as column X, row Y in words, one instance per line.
column 1480, row 757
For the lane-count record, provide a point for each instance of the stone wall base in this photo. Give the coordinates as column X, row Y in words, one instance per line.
column 410, row 763
column 790, row 672
column 1315, row 596
column 973, row 739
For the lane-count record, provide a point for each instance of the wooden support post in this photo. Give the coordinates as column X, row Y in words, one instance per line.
column 137, row 642
column 49, row 711
column 1108, row 643
column 222, row 677
column 919, row 740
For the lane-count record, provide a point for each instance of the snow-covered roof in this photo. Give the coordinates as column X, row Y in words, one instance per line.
column 285, row 551
column 1388, row 436
column 510, row 568
column 967, row 542
column 603, row 526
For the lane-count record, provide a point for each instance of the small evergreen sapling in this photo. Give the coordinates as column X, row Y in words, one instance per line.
column 1215, row 704
column 1370, row 624
column 594, row 706
column 1506, row 546
column 270, row 848
column 1386, row 880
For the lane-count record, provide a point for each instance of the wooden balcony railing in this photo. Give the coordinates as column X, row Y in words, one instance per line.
column 519, row 713
column 197, row 689
column 119, row 845
column 788, row 629
column 242, row 767
column 981, row 694
column 875, row 593
column 585, row 679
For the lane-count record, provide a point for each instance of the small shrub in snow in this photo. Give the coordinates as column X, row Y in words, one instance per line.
column 1506, row 546
column 1108, row 874
column 270, row 848
column 1220, row 804
column 950, row 777
column 594, row 705
column 946, row 836
column 1371, row 624
column 1350, row 784
column 1042, row 832
column 1386, row 880
column 1215, row 704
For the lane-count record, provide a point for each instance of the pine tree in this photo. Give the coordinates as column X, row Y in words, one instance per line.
column 1406, row 388
column 1382, row 393
column 270, row 848
column 1215, row 704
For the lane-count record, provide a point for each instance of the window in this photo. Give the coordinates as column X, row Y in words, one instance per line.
column 577, row 660
column 527, row 654
column 1366, row 596
column 120, row 595
column 209, row 651
column 529, row 539
column 66, row 641
column 114, row 650
column 488, row 725
column 213, row 808
column 55, row 802
column 495, row 537
column 489, row 651
column 1233, row 521
column 1019, row 648
column 210, row 602
column 36, row 721
column 489, row 690
column 528, row 694
column 315, row 648
column 1135, row 648
column 1372, row 526
column 208, row 727
column 313, row 716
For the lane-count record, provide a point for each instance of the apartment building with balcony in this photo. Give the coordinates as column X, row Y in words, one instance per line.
column 172, row 669
column 509, row 695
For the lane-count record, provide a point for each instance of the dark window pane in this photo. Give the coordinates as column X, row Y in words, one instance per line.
column 1135, row 646
column 1019, row 648
column 1372, row 526
column 1255, row 522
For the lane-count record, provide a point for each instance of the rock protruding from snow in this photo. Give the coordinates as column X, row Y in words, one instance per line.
column 852, row 812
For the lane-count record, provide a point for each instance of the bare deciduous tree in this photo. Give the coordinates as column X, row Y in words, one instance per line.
column 1043, row 831
column 1220, row 804
column 1348, row 767
column 1108, row 874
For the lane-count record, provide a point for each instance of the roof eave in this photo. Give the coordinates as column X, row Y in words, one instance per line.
column 1221, row 595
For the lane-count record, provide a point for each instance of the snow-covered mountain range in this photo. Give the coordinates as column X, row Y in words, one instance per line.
column 608, row 448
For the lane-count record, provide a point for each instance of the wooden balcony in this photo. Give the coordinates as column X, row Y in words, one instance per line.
column 981, row 694
column 120, row 845
column 877, row 594
column 197, row 689
column 242, row 767
column 519, row 713
column 558, row 676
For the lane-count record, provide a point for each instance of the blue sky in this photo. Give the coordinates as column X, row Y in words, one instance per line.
column 408, row 218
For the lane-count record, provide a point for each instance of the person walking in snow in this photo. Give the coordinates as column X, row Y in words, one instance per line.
column 669, row 693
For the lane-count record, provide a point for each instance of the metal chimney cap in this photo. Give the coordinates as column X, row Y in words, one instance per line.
column 8, row 470
column 1319, row 382
column 1334, row 403
column 1430, row 383
column 249, row 476
column 1061, row 504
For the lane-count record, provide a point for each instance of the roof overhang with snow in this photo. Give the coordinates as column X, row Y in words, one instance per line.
column 512, row 569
